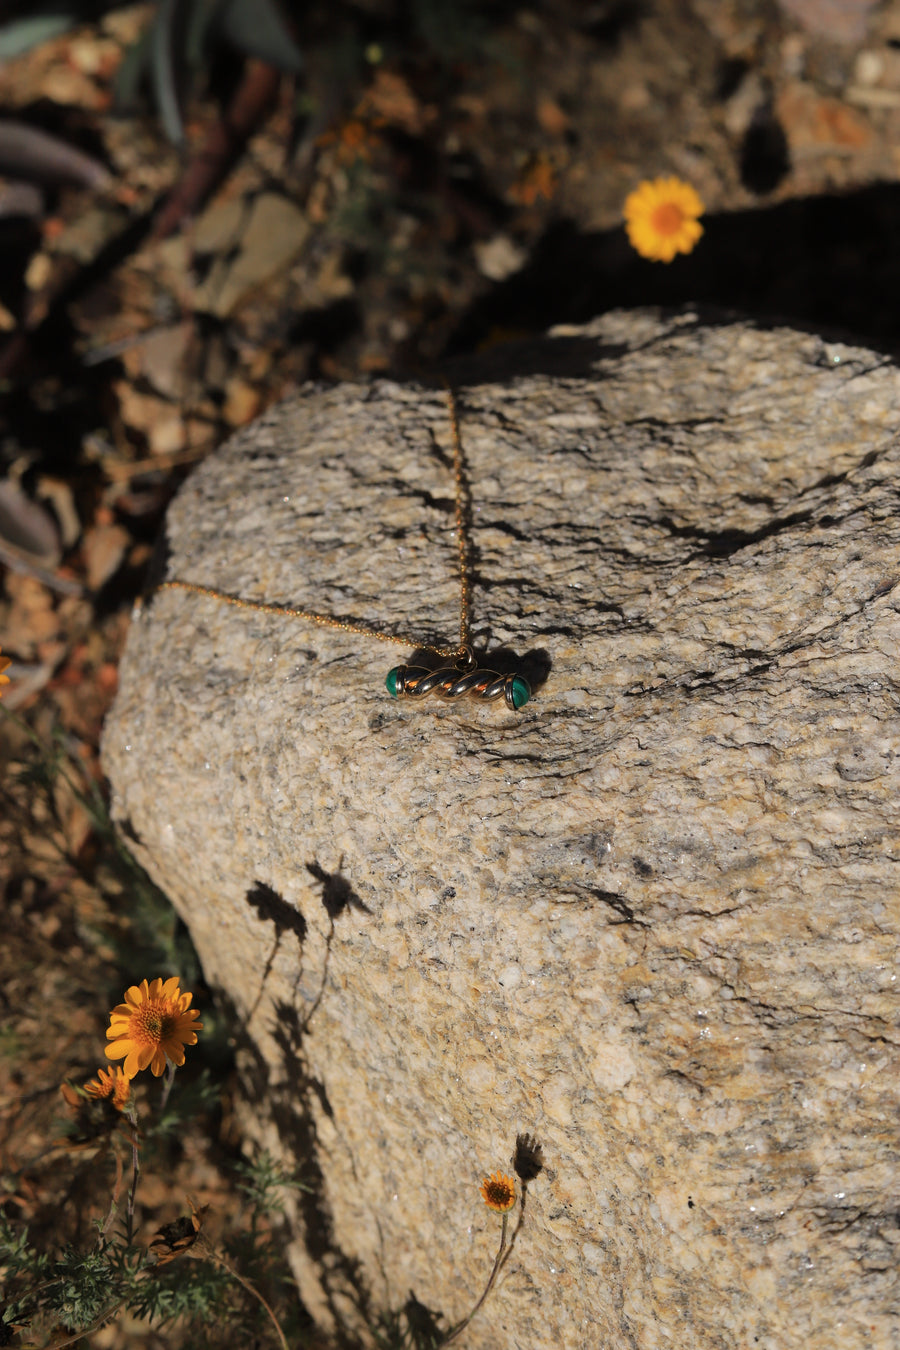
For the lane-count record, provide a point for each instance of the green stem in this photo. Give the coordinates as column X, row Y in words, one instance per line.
column 251, row 1289
column 167, row 1085
column 86, row 1331
column 114, row 1203
column 136, row 1172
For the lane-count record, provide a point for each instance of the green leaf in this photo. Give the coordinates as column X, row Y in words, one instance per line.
column 162, row 59
column 256, row 27
column 133, row 70
column 23, row 34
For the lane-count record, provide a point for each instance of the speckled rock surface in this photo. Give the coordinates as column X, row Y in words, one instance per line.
column 651, row 918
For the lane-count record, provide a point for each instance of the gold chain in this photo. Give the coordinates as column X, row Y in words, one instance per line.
column 462, row 651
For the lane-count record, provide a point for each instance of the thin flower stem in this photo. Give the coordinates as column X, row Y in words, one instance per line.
column 251, row 1289
column 117, row 1188
column 498, row 1261
column 517, row 1229
column 136, row 1172
column 167, row 1085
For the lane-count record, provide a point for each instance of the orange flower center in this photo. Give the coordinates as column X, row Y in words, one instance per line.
column 668, row 218
column 153, row 1025
column 497, row 1193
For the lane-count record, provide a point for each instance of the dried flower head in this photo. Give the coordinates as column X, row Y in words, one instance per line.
column 93, row 1120
column 176, row 1238
column 153, row 1025
column 112, row 1085
column 83, row 1132
column 528, row 1159
column 4, row 662
column 498, row 1192
column 661, row 218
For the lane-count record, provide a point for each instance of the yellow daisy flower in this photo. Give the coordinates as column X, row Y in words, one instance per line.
column 4, row 662
column 111, row 1084
column 152, row 1025
column 498, row 1192
column 661, row 218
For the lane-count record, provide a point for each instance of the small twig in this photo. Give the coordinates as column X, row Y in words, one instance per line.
column 106, row 351
column 86, row 1331
column 69, row 280
column 122, row 472
column 255, row 96
column 17, row 562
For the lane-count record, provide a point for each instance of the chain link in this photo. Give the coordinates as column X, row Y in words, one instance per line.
column 462, row 652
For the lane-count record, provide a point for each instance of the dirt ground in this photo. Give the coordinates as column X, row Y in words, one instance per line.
column 428, row 178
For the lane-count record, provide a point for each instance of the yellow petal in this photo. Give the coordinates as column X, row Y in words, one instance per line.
column 144, row 1055
column 131, row 1065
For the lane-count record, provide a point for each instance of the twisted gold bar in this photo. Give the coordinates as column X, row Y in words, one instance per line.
column 450, row 683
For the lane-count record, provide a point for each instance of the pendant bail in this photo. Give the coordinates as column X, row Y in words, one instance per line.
column 466, row 659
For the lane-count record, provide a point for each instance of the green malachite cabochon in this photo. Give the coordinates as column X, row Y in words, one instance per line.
column 521, row 692
column 391, row 682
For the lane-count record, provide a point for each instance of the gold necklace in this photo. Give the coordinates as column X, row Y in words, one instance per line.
column 464, row 678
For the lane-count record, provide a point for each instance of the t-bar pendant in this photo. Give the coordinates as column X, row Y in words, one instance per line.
column 448, row 683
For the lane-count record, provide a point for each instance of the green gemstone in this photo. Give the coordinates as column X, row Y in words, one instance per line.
column 521, row 691
column 391, row 682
